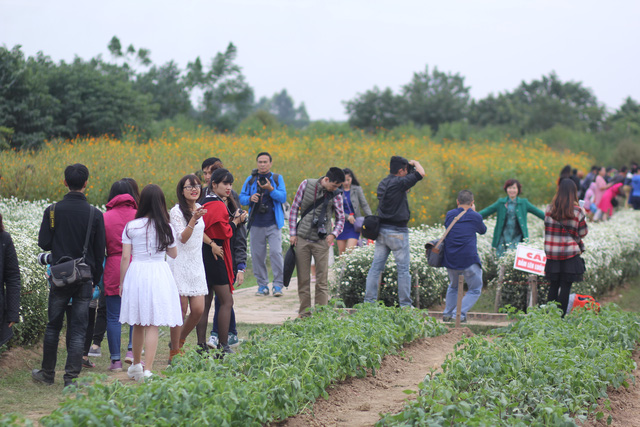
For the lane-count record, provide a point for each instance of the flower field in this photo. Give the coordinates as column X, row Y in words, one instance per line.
column 481, row 166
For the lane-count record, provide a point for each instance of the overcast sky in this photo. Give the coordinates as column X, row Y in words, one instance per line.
column 326, row 51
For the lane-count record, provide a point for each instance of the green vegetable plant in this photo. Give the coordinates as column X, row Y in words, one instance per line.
column 542, row 370
column 276, row 374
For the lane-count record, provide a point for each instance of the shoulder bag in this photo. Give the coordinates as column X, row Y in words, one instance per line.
column 69, row 272
column 435, row 248
column 371, row 223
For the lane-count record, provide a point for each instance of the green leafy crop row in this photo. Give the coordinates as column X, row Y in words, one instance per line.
column 277, row 373
column 543, row 370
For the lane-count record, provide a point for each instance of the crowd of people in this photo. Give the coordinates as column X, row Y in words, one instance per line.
column 156, row 266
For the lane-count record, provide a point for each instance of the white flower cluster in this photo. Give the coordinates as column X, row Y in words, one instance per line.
column 613, row 254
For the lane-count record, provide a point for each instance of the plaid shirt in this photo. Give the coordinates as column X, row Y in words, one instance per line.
column 295, row 207
column 560, row 238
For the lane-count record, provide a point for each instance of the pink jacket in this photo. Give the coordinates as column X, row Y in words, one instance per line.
column 120, row 210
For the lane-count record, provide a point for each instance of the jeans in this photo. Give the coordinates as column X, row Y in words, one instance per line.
column 232, row 322
column 473, row 278
column 259, row 237
column 80, row 296
column 114, row 327
column 396, row 240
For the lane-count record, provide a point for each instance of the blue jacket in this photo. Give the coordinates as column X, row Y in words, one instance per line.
column 460, row 245
column 278, row 195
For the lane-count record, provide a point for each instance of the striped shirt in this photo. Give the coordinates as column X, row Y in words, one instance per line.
column 561, row 238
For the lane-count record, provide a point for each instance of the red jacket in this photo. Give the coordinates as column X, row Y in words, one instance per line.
column 120, row 210
column 218, row 226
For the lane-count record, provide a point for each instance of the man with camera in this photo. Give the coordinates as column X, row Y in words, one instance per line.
column 65, row 227
column 315, row 202
column 265, row 193
column 394, row 214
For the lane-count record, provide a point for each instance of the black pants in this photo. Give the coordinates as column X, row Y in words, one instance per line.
column 89, row 335
column 101, row 321
column 562, row 297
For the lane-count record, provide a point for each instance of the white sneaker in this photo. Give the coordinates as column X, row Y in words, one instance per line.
column 136, row 372
column 213, row 341
column 147, row 374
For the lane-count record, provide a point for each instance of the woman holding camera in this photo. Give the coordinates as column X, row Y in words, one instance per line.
column 187, row 267
column 355, row 204
column 221, row 222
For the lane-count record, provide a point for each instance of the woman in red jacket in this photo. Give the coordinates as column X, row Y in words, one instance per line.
column 121, row 208
column 564, row 227
column 220, row 222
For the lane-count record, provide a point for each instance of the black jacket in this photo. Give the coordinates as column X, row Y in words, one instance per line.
column 393, row 206
column 9, row 286
column 71, row 216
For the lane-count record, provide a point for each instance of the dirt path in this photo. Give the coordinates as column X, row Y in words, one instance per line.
column 359, row 401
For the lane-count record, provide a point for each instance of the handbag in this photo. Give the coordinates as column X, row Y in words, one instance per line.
column 434, row 250
column 371, row 227
column 67, row 271
column 358, row 224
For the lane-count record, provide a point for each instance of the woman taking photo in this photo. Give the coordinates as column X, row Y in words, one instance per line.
column 511, row 224
column 187, row 267
column 149, row 294
column 220, row 223
column 564, row 227
column 355, row 204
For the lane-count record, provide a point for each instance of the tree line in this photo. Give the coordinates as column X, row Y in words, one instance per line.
column 41, row 99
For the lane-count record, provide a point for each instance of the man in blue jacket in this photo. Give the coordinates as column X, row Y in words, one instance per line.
column 461, row 255
column 265, row 193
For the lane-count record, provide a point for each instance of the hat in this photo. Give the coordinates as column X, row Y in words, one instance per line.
column 289, row 265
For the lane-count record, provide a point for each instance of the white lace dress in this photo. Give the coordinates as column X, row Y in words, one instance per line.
column 188, row 267
column 149, row 292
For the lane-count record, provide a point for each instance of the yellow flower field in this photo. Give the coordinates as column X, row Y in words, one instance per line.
column 481, row 166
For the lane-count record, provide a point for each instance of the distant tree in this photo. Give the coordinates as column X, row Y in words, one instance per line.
column 435, row 98
column 227, row 98
column 375, row 110
column 26, row 107
column 167, row 89
column 142, row 55
column 282, row 106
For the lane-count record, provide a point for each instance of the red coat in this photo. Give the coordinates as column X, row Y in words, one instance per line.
column 217, row 226
column 120, row 210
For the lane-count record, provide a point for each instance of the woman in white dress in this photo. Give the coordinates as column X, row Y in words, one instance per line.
column 187, row 267
column 149, row 293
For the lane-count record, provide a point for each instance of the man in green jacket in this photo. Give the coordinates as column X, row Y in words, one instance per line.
column 511, row 225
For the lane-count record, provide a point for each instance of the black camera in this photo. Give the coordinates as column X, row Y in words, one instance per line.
column 410, row 168
column 322, row 230
column 263, row 180
column 45, row 258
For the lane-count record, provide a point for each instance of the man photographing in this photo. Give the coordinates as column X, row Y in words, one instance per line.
column 394, row 214
column 265, row 193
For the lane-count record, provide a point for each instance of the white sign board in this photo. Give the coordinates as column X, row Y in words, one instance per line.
column 529, row 259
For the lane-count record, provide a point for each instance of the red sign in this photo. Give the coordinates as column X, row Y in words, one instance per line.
column 531, row 260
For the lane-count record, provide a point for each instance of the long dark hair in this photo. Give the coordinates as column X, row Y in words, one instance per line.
column 1, row 224
column 182, row 201
column 354, row 180
column 134, row 188
column 121, row 187
column 223, row 175
column 565, row 200
column 153, row 206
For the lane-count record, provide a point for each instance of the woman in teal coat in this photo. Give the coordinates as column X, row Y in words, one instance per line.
column 511, row 225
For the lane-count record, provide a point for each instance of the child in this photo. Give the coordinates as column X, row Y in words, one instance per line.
column 149, row 293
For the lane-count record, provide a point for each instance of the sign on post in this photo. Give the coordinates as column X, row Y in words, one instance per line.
column 530, row 260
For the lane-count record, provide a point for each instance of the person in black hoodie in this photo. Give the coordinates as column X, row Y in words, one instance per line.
column 66, row 238
column 9, row 286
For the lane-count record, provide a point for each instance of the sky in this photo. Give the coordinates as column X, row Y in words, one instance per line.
column 326, row 52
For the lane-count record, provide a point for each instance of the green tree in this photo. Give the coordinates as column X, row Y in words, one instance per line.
column 282, row 106
column 167, row 89
column 435, row 98
column 375, row 109
column 227, row 98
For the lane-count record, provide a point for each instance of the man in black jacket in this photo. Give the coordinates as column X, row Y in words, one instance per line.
column 393, row 210
column 64, row 236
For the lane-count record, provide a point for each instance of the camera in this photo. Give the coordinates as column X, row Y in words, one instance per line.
column 263, row 180
column 322, row 230
column 410, row 168
column 45, row 258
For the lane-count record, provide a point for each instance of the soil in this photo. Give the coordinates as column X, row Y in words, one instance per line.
column 360, row 401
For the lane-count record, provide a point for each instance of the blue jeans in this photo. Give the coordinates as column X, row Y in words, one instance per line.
column 473, row 278
column 396, row 240
column 77, row 320
column 114, row 327
column 232, row 322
